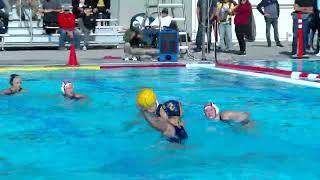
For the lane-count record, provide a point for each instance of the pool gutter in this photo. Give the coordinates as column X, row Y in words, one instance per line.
column 272, row 71
column 292, row 77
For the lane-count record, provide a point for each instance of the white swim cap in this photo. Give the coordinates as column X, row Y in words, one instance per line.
column 64, row 85
column 211, row 104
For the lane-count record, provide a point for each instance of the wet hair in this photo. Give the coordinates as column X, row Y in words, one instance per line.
column 174, row 25
column 12, row 76
column 165, row 10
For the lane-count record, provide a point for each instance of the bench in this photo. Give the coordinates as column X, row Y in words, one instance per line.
column 2, row 36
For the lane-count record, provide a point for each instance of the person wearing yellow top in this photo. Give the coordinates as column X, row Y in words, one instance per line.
column 224, row 15
column 100, row 3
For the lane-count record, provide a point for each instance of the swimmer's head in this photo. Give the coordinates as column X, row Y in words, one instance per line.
column 15, row 80
column 67, row 88
column 211, row 110
column 147, row 100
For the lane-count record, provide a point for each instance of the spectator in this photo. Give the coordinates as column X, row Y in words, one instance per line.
column 67, row 30
column 134, row 37
column 271, row 12
column 102, row 9
column 251, row 35
column 224, row 16
column 5, row 6
column 306, row 8
column 242, row 13
column 165, row 19
column 27, row 4
column 87, row 23
column 4, row 17
column 317, row 21
column 79, row 5
column 50, row 10
column 203, row 5
column 150, row 34
column 313, row 30
column 137, row 41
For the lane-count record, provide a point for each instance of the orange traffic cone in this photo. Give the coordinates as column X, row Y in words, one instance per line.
column 73, row 61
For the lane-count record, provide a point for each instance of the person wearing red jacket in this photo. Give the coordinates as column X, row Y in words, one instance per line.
column 242, row 13
column 68, row 31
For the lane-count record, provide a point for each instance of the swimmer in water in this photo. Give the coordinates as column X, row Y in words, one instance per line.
column 212, row 112
column 15, row 82
column 67, row 91
column 172, row 112
column 165, row 118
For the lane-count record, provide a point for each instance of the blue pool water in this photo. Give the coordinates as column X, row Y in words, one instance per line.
column 44, row 136
column 308, row 66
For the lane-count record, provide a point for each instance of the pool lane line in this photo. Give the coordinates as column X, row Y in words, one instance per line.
column 91, row 67
column 48, row 68
column 273, row 71
column 195, row 65
column 302, row 82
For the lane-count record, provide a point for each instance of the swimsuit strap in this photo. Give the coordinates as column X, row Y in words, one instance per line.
column 11, row 92
column 180, row 135
column 71, row 97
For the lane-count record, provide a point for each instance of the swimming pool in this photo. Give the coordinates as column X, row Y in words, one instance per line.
column 309, row 66
column 44, row 136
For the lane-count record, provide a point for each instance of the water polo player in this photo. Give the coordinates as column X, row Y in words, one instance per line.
column 15, row 82
column 172, row 112
column 165, row 118
column 68, row 92
column 212, row 112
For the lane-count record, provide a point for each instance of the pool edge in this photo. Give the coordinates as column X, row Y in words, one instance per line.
column 300, row 78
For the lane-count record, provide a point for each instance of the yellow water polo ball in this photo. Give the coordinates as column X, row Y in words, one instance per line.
column 146, row 98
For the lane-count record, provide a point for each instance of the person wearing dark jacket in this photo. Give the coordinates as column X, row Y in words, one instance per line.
column 305, row 7
column 102, row 9
column 78, row 6
column 242, row 13
column 271, row 12
column 203, row 5
column 87, row 24
column 50, row 10
column 316, row 11
column 4, row 17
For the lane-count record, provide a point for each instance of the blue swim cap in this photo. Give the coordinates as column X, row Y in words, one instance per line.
column 172, row 108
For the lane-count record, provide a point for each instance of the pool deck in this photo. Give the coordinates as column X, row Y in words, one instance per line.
column 257, row 51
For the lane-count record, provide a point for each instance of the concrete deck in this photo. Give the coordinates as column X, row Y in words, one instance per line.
column 257, row 51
